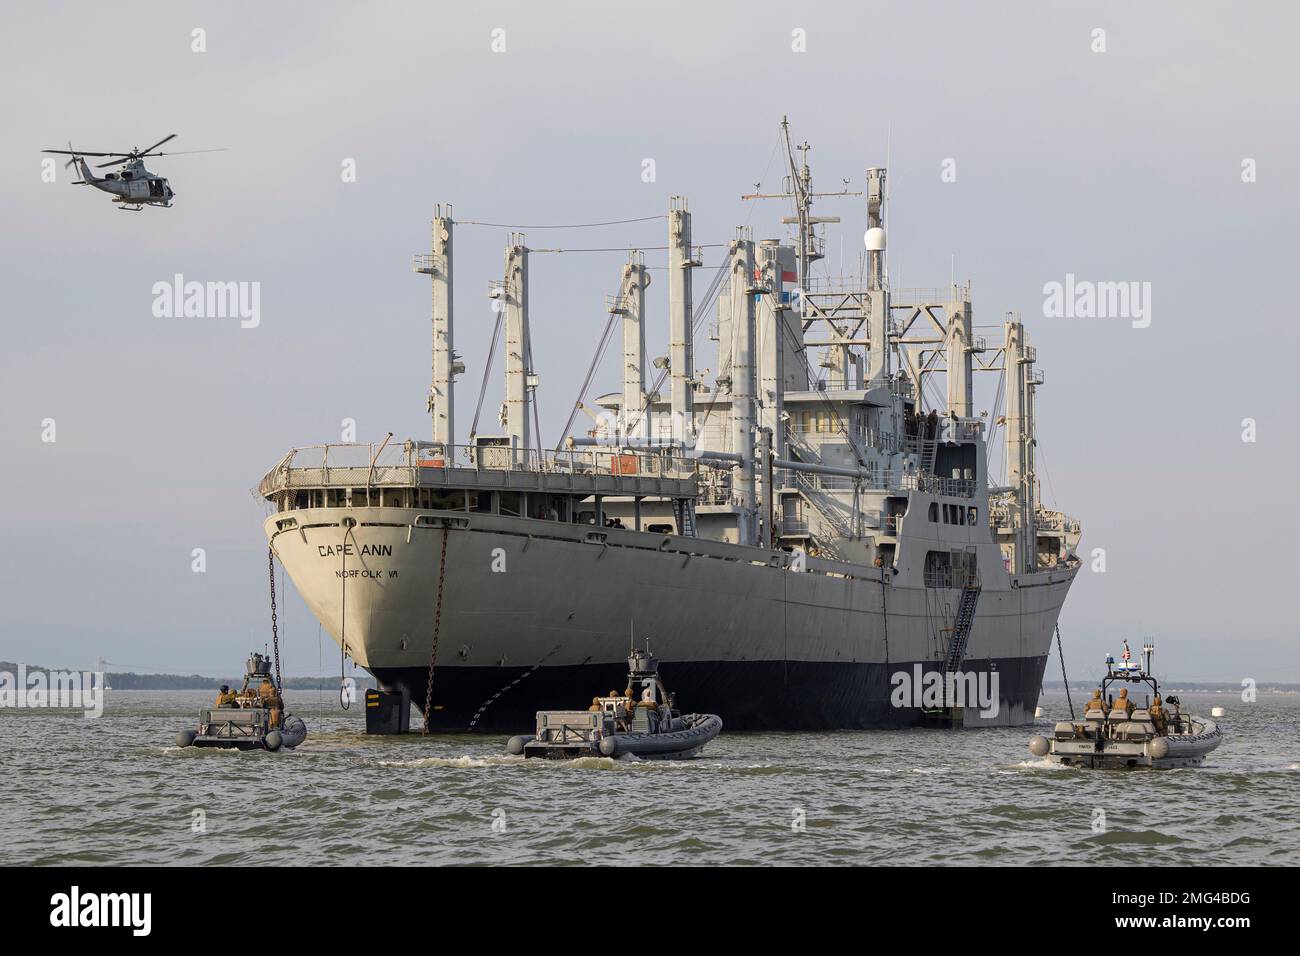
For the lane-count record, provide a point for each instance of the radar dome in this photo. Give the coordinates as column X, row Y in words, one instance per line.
column 875, row 239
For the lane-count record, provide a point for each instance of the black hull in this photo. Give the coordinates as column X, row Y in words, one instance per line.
column 748, row 695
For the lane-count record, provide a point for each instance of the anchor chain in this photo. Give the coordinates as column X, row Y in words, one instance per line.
column 275, row 632
column 437, row 626
column 1065, row 680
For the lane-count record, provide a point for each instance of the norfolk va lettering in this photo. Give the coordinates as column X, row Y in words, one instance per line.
column 349, row 550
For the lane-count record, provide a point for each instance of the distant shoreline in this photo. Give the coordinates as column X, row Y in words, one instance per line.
column 129, row 680
column 1173, row 685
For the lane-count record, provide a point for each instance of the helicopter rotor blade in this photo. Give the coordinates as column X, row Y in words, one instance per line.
column 146, row 152
column 80, row 152
column 186, row 152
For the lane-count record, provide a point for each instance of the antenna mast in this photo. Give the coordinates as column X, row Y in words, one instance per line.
column 799, row 188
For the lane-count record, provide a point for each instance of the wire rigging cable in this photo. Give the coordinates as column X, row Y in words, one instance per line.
column 571, row 225
column 696, row 322
column 601, row 347
column 487, row 371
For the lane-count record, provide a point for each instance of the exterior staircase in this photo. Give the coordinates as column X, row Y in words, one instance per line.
column 965, row 621
column 684, row 515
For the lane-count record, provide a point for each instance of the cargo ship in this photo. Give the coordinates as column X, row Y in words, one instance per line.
column 808, row 533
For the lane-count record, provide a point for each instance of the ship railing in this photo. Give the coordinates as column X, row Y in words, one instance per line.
column 947, row 428
column 850, row 284
column 877, row 480
column 951, row 577
column 429, row 264
column 951, row 487
column 377, row 464
column 814, row 438
column 1057, row 521
column 965, row 429
column 938, row 295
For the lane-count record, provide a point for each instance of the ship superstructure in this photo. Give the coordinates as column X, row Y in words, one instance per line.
column 809, row 531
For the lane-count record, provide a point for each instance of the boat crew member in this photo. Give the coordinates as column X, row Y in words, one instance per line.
column 1124, row 702
column 226, row 697
column 268, row 697
column 1094, row 702
column 1158, row 715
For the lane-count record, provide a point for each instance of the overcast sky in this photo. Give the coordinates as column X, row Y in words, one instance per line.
column 1117, row 165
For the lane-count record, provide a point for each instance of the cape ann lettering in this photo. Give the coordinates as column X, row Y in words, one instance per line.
column 350, row 550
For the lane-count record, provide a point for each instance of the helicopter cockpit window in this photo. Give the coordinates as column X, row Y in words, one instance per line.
column 155, row 187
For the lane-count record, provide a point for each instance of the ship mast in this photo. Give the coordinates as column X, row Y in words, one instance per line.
column 798, row 187
column 520, row 379
column 681, row 311
column 1022, row 380
column 438, row 266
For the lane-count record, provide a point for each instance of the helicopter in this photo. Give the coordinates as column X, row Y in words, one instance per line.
column 133, row 186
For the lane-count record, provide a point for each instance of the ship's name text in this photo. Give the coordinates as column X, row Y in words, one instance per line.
column 351, row 550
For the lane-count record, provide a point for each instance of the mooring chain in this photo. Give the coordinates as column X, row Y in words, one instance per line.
column 1065, row 680
column 275, row 632
column 528, row 673
column 437, row 626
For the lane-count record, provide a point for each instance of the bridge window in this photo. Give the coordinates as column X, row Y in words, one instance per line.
column 956, row 514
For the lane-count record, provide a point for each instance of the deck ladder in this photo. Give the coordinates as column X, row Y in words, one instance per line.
column 970, row 596
column 684, row 513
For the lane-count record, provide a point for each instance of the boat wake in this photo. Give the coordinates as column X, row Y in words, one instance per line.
column 1041, row 763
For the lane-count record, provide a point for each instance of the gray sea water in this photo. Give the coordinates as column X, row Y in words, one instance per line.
column 115, row 790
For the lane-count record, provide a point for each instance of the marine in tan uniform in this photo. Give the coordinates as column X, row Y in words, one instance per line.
column 1124, row 702
column 267, row 696
column 1158, row 716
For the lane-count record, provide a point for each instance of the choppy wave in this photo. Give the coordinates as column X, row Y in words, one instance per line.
column 116, row 790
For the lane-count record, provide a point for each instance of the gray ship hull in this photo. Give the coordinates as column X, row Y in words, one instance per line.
column 755, row 695
column 538, row 614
